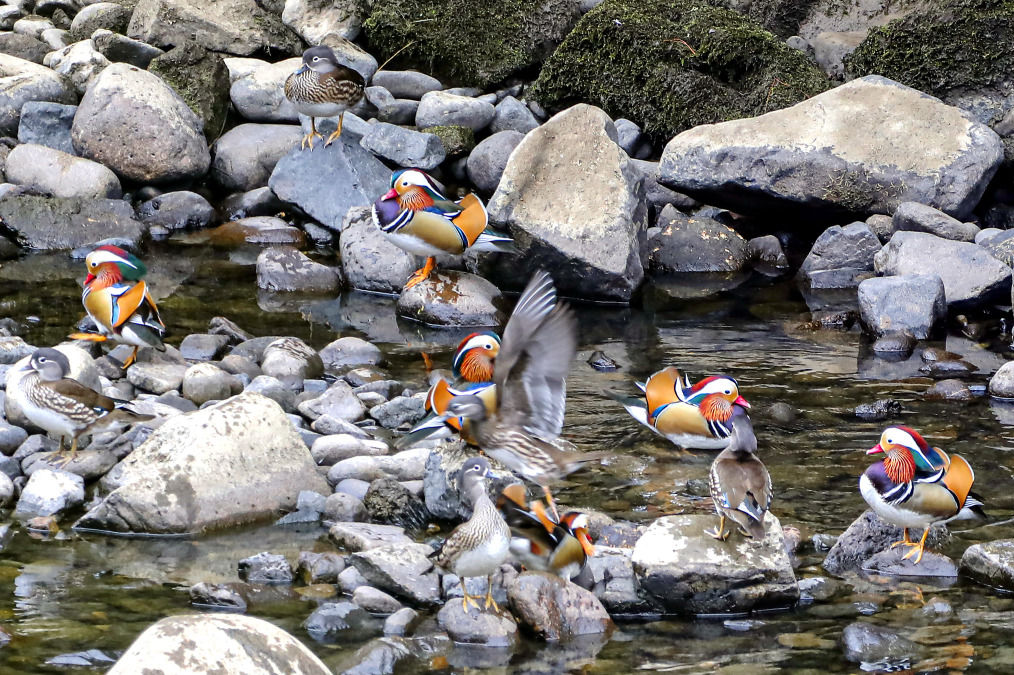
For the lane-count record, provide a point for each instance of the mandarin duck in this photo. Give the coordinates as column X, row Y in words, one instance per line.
column 473, row 374
column 739, row 481
column 62, row 406
column 116, row 298
column 416, row 216
column 480, row 545
column 322, row 87
column 522, row 432
column 539, row 542
column 916, row 485
column 689, row 415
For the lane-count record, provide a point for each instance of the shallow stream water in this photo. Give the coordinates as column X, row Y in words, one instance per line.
column 74, row 592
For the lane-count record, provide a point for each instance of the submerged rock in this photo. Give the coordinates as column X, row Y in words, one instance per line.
column 877, row 647
column 991, row 563
column 284, row 268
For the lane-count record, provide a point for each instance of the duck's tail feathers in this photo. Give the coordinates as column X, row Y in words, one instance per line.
column 428, row 428
column 491, row 240
column 634, row 405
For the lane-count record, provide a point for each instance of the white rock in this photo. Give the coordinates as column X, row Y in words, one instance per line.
column 313, row 20
column 60, row 174
column 48, row 492
column 79, row 62
column 258, row 93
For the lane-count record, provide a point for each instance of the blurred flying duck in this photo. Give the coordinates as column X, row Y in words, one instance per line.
column 740, row 484
column 322, row 87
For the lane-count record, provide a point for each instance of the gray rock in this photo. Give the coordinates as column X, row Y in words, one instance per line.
column 355, row 537
column 450, row 298
column 403, row 570
column 328, row 450
column 866, row 536
column 45, row 123
column 11, row 437
column 440, row 108
column 912, row 303
column 32, row 25
column 284, row 268
column 314, row 20
column 68, row 222
column 338, row 401
column 34, row 444
column 258, row 93
column 352, row 55
column 767, row 250
column 23, row 47
column 406, row 83
column 949, row 390
column 404, row 147
column 440, row 485
column 390, row 109
column 275, row 389
column 13, row 349
column 401, row 622
column 343, row 507
column 348, row 352
column 319, row 568
column 687, row 571
column 390, row 503
column 398, row 411
column 6, row 489
column 255, row 230
column 245, row 156
column 350, row 579
column 79, row 62
column 477, row 628
column 892, row 563
column 203, row 382
column 991, row 563
column 615, row 583
column 48, row 492
column 9, row 14
column 869, row 644
column 694, row 244
column 307, row 179
column 405, row 465
column 230, row 26
column 982, row 237
column 22, row 81
column 880, row 410
column 554, row 609
column 1001, row 385
column 631, row 139
column 882, row 226
column 266, row 568
column 88, row 464
column 122, row 49
column 158, row 378
column 1001, row 246
column 126, row 108
column 369, row 260
column 218, row 596
column 177, row 211
column 511, row 114
column 916, row 217
column 203, row 347
column 338, row 622
column 850, row 249
column 487, row 161
column 59, row 174
column 108, row 15
column 814, row 163
column 290, row 359
column 589, row 232
column 971, row 276
column 375, row 601
column 257, row 202
column 658, row 195
column 230, row 463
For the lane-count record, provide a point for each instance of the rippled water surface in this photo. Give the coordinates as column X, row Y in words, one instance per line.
column 87, row 592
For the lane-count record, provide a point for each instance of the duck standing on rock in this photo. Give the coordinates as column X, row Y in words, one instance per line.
column 522, row 433
column 117, row 300
column 740, row 483
column 322, row 87
column 480, row 545
column 916, row 485
column 416, row 216
column 689, row 415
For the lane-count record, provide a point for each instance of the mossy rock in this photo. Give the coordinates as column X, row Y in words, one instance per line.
column 202, row 81
column 469, row 42
column 457, row 140
column 958, row 47
column 675, row 64
column 781, row 17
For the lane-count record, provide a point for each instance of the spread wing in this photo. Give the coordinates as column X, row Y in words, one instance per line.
column 538, row 345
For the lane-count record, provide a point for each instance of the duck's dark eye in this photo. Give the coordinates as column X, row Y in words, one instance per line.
column 728, row 392
column 316, row 58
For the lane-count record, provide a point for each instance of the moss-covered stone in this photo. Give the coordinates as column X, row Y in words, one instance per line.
column 674, row 64
column 470, row 42
column 781, row 17
column 457, row 140
column 202, row 81
column 956, row 47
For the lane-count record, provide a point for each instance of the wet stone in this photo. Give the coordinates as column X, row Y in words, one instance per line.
column 991, row 563
column 881, row 409
column 877, row 646
column 266, row 568
column 866, row 536
column 338, row 621
column 398, row 411
column 217, row 596
column 11, row 437
column 401, row 621
column 364, row 536
column 404, row 571
column 319, row 568
column 477, row 627
column 1001, row 385
column 343, row 507
column 601, row 362
column 389, row 502
column 949, row 390
column 349, row 579
column 348, row 352
column 375, row 601
column 48, row 492
column 892, row 563
column 895, row 342
column 554, row 609
column 202, row 346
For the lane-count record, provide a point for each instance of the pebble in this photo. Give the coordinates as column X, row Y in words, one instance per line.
column 375, row 601
column 401, row 622
column 319, row 568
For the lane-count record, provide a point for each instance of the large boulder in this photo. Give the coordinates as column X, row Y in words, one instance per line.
column 67, row 222
column 201, row 79
column 971, row 275
column 575, row 205
column 219, row 643
column 245, row 156
column 232, row 462
column 673, row 65
column 818, row 160
column 258, row 89
column 688, row 571
column 22, row 81
column 60, row 174
column 369, row 260
column 238, row 27
column 914, row 303
column 135, row 124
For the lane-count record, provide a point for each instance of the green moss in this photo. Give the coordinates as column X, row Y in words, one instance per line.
column 457, row 140
column 961, row 44
column 674, row 64
column 202, row 81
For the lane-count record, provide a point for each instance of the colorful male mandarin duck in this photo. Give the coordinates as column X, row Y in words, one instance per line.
column 740, row 484
column 522, row 433
column 691, row 416
column 916, row 485
column 116, row 298
column 322, row 87
column 417, row 217
column 541, row 543
column 473, row 373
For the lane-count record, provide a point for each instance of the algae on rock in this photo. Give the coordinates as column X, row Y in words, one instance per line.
column 676, row 64
column 202, row 81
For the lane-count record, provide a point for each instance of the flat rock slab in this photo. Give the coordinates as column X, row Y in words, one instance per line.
column 991, row 563
column 364, row 536
column 816, row 158
column 688, row 571
column 892, row 563
column 67, row 222
column 403, row 570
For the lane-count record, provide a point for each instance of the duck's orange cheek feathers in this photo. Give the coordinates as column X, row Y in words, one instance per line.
column 715, row 407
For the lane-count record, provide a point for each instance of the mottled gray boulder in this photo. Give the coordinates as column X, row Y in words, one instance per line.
column 840, row 256
column 403, row 570
column 867, row 536
column 290, row 359
column 203, row 382
column 687, row 571
column 452, row 299
column 313, row 20
column 370, row 261
column 258, row 89
column 398, row 411
column 916, row 217
column 404, row 147
column 48, row 492
column 9, row 14
column 109, row 15
column 181, row 210
column 233, row 642
column 511, row 114
column 233, row 462
column 471, row 627
column 615, row 583
column 245, row 156
column 487, row 161
column 348, row 352
column 440, row 108
column 59, row 174
column 554, row 609
column 406, row 83
column 991, row 563
column 588, row 231
column 45, row 123
column 694, row 244
column 127, row 108
column 284, row 268
column 327, row 182
column 971, row 276
column 914, row 303
column 157, row 378
column 1001, row 385
column 238, row 27
column 817, row 160
column 80, row 63
column 23, row 47
column 67, row 222
column 22, row 81
column 122, row 49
